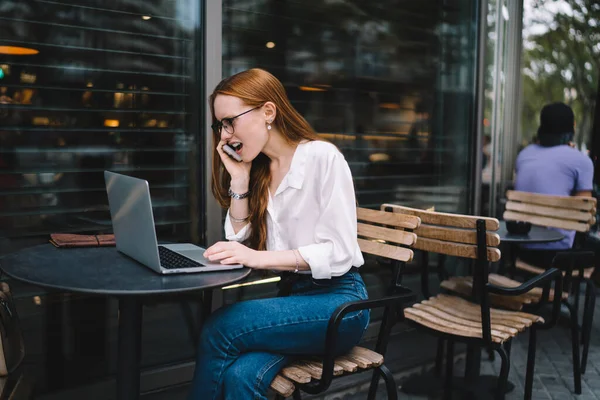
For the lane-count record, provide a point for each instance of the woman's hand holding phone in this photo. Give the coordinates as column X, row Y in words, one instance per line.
column 239, row 170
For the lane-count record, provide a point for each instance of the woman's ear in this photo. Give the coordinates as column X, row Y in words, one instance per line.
column 270, row 110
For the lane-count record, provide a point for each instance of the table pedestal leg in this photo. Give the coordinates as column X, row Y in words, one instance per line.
column 130, row 332
column 206, row 306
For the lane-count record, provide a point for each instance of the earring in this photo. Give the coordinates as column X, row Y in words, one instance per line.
column 269, row 125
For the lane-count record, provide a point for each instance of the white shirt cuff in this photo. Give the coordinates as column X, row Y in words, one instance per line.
column 317, row 256
column 230, row 233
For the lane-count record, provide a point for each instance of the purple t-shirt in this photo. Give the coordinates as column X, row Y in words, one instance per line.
column 557, row 170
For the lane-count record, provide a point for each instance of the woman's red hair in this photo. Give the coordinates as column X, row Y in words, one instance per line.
column 255, row 87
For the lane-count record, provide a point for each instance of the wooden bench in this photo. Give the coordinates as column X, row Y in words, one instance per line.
column 472, row 320
column 381, row 234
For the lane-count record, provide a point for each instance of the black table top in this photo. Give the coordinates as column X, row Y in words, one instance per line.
column 103, row 270
column 537, row 234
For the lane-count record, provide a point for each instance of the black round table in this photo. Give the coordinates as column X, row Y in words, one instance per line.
column 537, row 234
column 105, row 271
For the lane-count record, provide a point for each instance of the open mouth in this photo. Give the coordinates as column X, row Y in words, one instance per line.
column 237, row 146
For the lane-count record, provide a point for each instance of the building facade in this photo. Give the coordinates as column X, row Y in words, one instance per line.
column 90, row 85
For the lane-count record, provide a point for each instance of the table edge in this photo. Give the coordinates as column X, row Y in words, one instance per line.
column 128, row 293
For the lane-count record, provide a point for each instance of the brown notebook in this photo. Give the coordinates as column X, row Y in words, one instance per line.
column 75, row 240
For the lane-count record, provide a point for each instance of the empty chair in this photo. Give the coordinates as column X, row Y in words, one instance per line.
column 472, row 320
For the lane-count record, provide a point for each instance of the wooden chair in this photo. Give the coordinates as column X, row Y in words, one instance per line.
column 564, row 212
column 385, row 235
column 454, row 319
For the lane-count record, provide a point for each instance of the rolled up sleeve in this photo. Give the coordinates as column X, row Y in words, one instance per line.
column 335, row 233
column 230, row 234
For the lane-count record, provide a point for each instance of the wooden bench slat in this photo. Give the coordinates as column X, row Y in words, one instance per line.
column 525, row 298
column 362, row 362
column 385, row 250
column 315, row 368
column 387, row 218
column 494, row 312
column 387, row 234
column 523, row 266
column 535, row 293
column 466, row 322
column 575, row 202
column 431, row 322
column 296, row 374
column 532, row 296
column 467, row 236
column 445, row 219
column 453, row 315
column 375, row 358
column 283, row 386
column 473, row 316
column 309, row 369
column 553, row 212
column 347, row 365
column 465, row 288
column 454, row 249
column 546, row 221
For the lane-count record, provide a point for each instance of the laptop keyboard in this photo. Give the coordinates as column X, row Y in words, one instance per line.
column 172, row 260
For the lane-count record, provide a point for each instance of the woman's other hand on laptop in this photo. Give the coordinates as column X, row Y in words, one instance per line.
column 233, row 253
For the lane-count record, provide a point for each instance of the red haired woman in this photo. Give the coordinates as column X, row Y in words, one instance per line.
column 291, row 208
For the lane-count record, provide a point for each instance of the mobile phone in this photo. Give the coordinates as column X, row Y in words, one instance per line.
column 231, row 152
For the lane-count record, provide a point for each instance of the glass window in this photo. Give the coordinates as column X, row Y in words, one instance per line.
column 88, row 86
column 391, row 85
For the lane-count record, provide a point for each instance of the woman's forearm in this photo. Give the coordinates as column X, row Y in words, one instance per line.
column 283, row 260
column 239, row 211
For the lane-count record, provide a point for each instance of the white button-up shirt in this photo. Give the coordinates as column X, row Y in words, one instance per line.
column 314, row 211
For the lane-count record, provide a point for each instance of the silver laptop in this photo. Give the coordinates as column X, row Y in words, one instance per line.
column 133, row 225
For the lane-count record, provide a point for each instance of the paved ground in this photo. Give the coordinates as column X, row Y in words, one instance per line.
column 554, row 377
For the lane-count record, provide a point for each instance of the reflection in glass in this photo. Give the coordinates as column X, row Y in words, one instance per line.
column 392, row 86
column 105, row 89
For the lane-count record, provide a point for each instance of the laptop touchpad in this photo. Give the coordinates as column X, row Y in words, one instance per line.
column 196, row 255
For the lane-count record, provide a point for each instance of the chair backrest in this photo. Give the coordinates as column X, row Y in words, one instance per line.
column 387, row 234
column 451, row 234
column 575, row 213
column 463, row 236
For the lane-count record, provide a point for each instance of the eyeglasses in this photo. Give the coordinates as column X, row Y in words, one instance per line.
column 227, row 123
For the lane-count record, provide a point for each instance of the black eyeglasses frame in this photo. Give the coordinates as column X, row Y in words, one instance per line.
column 218, row 126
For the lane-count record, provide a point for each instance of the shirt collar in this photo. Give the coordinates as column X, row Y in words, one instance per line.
column 295, row 176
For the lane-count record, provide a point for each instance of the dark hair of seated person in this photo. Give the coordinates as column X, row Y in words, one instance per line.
column 557, row 125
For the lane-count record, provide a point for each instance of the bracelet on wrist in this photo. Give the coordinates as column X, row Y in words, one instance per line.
column 239, row 220
column 297, row 262
column 237, row 196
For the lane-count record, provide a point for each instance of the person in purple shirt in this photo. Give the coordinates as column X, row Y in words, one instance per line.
column 553, row 167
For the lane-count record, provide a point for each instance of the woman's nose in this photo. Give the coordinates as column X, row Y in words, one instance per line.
column 225, row 135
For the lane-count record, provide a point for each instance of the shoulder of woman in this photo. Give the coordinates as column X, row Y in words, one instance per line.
column 323, row 150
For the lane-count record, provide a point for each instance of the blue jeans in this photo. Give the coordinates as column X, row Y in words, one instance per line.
column 243, row 346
